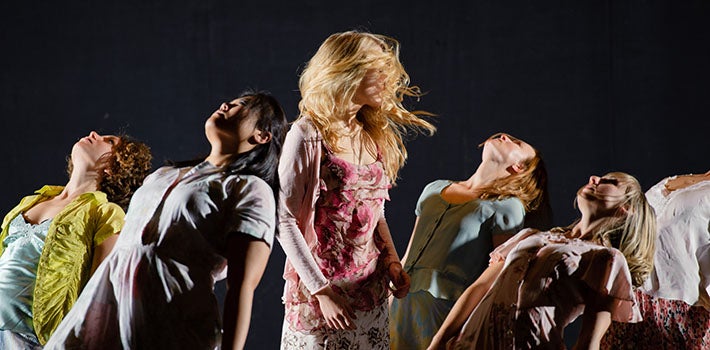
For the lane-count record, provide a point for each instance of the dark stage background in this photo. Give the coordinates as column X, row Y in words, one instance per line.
column 596, row 86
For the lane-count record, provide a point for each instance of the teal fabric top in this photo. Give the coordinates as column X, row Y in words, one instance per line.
column 452, row 242
column 18, row 272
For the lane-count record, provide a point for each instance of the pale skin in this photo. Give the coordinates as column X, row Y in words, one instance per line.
column 598, row 200
column 232, row 131
column 357, row 147
column 88, row 168
column 683, row 181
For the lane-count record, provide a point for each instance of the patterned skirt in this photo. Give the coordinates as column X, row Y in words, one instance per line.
column 372, row 333
column 667, row 324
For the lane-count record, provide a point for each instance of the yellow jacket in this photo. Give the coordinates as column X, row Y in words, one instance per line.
column 65, row 263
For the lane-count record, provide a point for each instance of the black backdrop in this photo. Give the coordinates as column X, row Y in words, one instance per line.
column 597, row 86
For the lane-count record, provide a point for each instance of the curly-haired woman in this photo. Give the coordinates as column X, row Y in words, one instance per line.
column 54, row 240
column 189, row 225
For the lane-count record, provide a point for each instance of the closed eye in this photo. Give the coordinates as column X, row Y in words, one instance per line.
column 609, row 180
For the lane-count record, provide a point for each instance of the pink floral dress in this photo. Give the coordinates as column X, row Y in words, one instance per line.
column 347, row 211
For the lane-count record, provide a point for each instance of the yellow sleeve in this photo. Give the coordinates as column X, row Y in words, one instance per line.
column 109, row 221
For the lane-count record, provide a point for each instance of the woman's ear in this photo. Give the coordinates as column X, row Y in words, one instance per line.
column 262, row 137
column 517, row 168
column 624, row 210
column 104, row 163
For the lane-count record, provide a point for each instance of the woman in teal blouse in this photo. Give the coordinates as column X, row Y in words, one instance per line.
column 53, row 240
column 458, row 224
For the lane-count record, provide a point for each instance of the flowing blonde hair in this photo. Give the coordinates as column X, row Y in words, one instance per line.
column 330, row 79
column 633, row 233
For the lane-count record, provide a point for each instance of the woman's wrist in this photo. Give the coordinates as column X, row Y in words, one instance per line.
column 325, row 290
column 389, row 264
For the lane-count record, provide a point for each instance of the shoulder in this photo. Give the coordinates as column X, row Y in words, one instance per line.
column 506, row 211
column 49, row 190
column 509, row 206
column 98, row 200
column 249, row 185
column 608, row 253
column 436, row 186
column 509, row 202
column 432, row 189
column 304, row 129
column 161, row 171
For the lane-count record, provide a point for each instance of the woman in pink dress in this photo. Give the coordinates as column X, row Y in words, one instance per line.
column 539, row 282
column 340, row 158
column 675, row 299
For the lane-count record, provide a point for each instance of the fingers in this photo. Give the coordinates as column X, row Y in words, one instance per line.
column 401, row 284
column 341, row 321
column 337, row 312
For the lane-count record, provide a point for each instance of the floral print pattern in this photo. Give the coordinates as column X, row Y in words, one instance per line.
column 372, row 333
column 350, row 203
column 667, row 324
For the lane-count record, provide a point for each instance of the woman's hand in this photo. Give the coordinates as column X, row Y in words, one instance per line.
column 399, row 279
column 335, row 309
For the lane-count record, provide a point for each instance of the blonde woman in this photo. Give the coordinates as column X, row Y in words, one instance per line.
column 458, row 224
column 675, row 299
column 539, row 282
column 340, row 158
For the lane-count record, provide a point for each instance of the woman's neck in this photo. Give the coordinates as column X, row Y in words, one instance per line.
column 348, row 124
column 80, row 182
column 220, row 159
column 486, row 173
column 586, row 227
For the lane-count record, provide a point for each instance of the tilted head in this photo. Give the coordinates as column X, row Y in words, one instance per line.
column 361, row 69
column 629, row 221
column 121, row 162
column 527, row 179
column 255, row 123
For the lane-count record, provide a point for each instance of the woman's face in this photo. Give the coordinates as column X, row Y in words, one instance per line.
column 601, row 195
column 90, row 150
column 507, row 150
column 369, row 91
column 232, row 127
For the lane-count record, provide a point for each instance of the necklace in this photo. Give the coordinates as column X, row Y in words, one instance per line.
column 357, row 147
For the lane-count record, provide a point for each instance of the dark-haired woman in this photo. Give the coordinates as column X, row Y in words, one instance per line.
column 53, row 240
column 184, row 226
